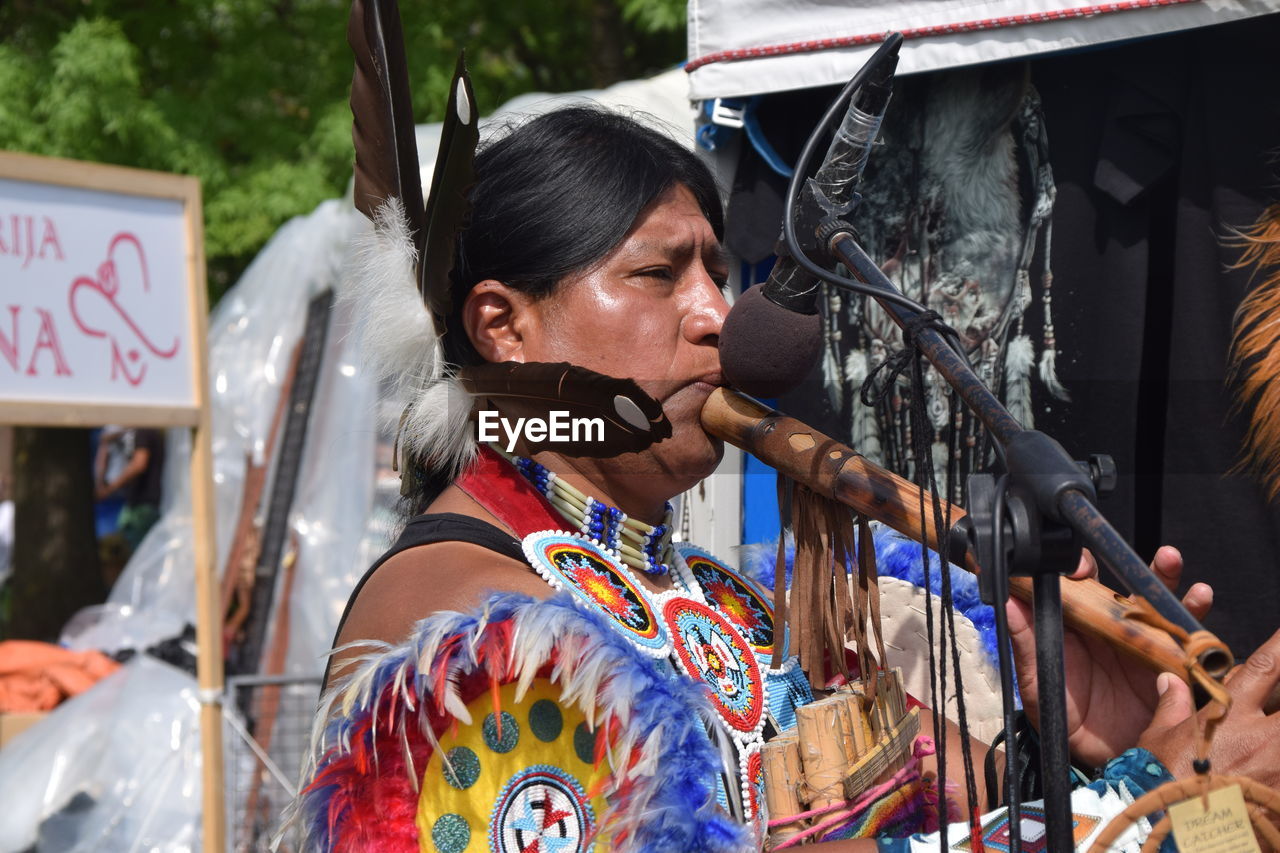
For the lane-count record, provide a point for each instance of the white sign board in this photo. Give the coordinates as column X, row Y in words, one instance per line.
column 101, row 292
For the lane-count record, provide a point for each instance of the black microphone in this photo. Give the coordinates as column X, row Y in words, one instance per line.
column 773, row 335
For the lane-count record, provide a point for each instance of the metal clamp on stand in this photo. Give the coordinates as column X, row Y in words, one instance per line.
column 1012, row 531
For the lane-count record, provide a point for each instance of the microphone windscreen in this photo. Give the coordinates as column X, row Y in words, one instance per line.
column 766, row 350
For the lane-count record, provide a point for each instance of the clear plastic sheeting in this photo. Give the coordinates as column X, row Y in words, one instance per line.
column 116, row 768
column 252, row 333
column 331, row 525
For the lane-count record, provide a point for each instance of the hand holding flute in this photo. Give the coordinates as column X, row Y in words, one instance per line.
column 1111, row 694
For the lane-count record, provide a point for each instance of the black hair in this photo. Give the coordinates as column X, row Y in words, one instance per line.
column 557, row 194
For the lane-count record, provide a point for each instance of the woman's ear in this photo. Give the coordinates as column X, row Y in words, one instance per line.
column 493, row 317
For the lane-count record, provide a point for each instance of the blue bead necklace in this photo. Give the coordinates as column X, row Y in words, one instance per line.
column 639, row 545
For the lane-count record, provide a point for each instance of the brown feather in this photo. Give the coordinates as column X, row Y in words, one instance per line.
column 448, row 207
column 383, row 131
column 1254, row 364
column 536, row 389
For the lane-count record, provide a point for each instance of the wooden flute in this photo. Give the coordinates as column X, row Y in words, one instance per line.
column 836, row 471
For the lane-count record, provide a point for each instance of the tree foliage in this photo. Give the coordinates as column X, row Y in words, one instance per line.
column 251, row 95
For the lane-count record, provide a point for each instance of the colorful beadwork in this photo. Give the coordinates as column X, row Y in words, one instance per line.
column 715, row 626
column 995, row 833
column 711, row 651
column 584, row 569
column 752, row 774
column 541, row 809
column 734, row 597
column 523, row 790
column 636, row 544
column 788, row 689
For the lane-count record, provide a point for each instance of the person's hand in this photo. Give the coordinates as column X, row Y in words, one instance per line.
column 101, row 491
column 1246, row 742
column 1111, row 698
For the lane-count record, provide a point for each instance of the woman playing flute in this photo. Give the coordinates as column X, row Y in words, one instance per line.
column 502, row 684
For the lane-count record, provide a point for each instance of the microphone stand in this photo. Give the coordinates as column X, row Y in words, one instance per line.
column 1047, row 513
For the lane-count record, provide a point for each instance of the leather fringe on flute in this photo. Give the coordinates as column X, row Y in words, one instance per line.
column 827, row 607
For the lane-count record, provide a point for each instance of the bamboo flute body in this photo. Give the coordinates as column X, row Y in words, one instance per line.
column 835, row 470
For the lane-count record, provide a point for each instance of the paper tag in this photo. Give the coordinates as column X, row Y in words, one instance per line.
column 1222, row 828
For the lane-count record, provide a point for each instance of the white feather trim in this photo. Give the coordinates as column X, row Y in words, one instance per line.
column 393, row 325
column 398, row 343
column 855, row 368
column 1018, row 361
column 436, row 427
column 1019, row 358
column 1049, row 375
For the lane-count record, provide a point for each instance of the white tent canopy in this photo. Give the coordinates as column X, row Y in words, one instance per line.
column 752, row 47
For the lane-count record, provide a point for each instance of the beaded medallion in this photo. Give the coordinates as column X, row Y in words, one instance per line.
column 734, row 597
column 588, row 572
column 714, row 626
column 709, row 650
column 541, row 808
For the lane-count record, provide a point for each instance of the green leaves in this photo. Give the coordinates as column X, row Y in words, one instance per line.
column 251, row 96
column 655, row 16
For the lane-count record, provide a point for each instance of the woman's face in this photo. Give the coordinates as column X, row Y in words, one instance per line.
column 651, row 310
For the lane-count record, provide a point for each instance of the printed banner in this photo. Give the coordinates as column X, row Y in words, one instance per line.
column 96, row 294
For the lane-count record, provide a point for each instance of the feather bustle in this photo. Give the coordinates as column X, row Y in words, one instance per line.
column 1254, row 363
column 671, row 808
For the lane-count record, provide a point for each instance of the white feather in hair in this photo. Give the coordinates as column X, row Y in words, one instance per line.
column 392, row 323
column 399, row 345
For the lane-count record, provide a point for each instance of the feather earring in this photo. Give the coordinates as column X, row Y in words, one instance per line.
column 630, row 420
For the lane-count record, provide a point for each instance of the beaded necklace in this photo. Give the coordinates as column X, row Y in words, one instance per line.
column 639, row 545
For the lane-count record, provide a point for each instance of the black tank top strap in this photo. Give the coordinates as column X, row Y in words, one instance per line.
column 427, row 530
column 452, row 527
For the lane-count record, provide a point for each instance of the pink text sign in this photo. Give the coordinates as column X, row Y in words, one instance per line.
column 96, row 291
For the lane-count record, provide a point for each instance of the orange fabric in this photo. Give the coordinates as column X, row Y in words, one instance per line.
column 38, row 676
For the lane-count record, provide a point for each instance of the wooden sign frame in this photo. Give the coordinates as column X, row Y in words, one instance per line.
column 186, row 190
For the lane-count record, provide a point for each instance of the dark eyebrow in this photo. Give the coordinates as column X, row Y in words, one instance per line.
column 715, row 252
